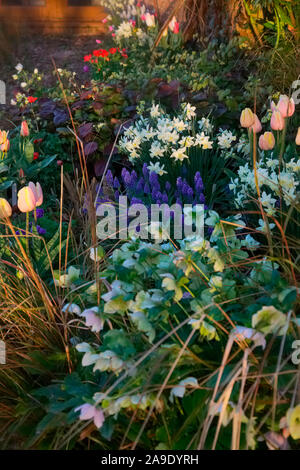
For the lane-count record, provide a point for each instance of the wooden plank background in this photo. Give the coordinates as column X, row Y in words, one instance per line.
column 54, row 18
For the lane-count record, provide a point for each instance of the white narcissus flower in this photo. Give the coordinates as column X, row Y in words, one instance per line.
column 156, row 168
column 23, row 85
column 155, row 111
column 180, row 154
column 88, row 412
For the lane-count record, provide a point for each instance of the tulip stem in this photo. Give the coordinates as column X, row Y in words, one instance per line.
column 27, row 233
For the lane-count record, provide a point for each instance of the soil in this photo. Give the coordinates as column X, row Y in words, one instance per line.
column 37, row 52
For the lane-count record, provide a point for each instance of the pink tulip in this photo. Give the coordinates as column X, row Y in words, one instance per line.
column 273, row 106
column 256, row 127
column 24, row 129
column 5, row 209
column 247, row 118
column 298, row 137
column 26, row 199
column 277, row 121
column 286, row 106
column 38, row 193
column 267, row 141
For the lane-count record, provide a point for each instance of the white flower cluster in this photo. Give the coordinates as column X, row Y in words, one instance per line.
column 124, row 31
column 125, row 9
column 225, row 139
column 272, row 183
column 161, row 136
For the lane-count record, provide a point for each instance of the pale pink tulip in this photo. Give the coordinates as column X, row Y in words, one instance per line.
column 277, row 121
column 286, row 106
column 298, row 137
column 38, row 193
column 26, row 199
column 5, row 209
column 247, row 118
column 256, row 127
column 267, row 141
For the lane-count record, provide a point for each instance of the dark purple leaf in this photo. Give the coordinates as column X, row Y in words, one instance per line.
column 90, row 147
column 85, row 130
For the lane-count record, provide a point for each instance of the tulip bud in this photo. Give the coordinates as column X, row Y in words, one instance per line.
column 26, row 199
column 267, row 141
column 5, row 209
column 38, row 193
column 286, row 106
column 277, row 121
column 247, row 118
column 256, row 127
column 298, row 137
column 24, row 129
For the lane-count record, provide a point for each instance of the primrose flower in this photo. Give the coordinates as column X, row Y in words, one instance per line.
column 298, row 137
column 24, row 129
column 247, row 118
column 5, row 209
column 286, row 106
column 277, row 121
column 88, row 412
column 38, row 193
column 293, row 421
column 266, row 141
column 26, row 199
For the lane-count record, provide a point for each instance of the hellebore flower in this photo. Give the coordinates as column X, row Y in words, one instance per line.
column 88, row 412
column 24, row 129
column 26, row 199
column 247, row 118
column 5, row 209
column 277, row 121
column 93, row 320
column 267, row 141
column 269, row 320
